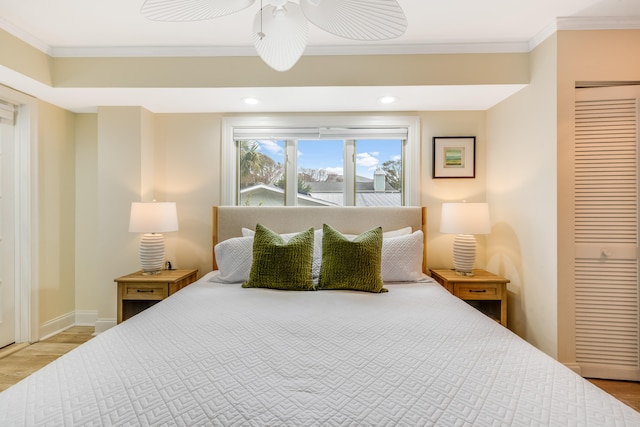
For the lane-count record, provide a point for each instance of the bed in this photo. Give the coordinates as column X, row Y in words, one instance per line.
column 219, row 354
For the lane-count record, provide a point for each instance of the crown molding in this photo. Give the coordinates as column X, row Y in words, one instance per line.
column 24, row 36
column 577, row 23
column 585, row 23
column 195, row 51
column 573, row 23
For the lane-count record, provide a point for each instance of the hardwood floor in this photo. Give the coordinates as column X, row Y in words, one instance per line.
column 28, row 359
column 626, row 391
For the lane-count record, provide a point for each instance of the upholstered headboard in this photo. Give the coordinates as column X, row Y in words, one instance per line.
column 228, row 221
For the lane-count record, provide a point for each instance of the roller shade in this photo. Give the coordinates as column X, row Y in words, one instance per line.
column 319, row 133
column 7, row 111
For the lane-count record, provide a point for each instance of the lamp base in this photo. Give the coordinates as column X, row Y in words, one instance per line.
column 151, row 273
column 464, row 273
column 464, row 254
column 151, row 253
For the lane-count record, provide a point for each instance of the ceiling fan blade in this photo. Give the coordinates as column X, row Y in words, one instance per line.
column 191, row 10
column 357, row 19
column 280, row 35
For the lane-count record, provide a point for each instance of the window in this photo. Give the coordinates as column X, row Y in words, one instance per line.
column 261, row 172
column 379, row 172
column 348, row 161
column 320, row 172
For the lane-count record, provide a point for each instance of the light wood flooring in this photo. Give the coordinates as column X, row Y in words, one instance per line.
column 27, row 359
column 21, row 360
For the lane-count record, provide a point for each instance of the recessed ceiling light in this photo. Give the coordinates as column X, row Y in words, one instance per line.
column 251, row 101
column 387, row 99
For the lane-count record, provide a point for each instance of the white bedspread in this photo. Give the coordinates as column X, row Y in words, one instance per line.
column 216, row 354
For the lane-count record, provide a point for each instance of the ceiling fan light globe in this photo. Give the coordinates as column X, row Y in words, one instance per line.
column 285, row 35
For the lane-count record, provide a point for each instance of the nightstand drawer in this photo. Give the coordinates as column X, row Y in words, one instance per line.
column 137, row 291
column 134, row 291
column 478, row 291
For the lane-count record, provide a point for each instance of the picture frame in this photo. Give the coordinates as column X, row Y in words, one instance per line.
column 454, row 157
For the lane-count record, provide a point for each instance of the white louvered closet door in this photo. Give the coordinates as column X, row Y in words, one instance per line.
column 606, row 232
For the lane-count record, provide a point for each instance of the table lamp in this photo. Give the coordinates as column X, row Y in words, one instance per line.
column 465, row 220
column 152, row 219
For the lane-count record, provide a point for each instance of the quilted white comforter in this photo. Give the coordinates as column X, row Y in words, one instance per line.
column 216, row 354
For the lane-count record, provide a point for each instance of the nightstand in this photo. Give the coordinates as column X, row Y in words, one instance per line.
column 137, row 292
column 485, row 291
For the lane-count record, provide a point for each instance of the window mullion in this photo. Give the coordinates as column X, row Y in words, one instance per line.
column 349, row 172
column 291, row 172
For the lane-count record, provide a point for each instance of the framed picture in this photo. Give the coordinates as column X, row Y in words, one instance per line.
column 454, row 156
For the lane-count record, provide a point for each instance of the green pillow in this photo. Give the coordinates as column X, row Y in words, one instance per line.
column 351, row 264
column 280, row 265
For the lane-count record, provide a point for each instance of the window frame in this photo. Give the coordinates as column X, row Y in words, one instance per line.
column 411, row 154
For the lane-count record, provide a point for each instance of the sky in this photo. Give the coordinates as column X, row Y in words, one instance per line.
column 327, row 154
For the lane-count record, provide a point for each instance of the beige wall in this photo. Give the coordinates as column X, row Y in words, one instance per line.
column 186, row 169
column 585, row 56
column 125, row 154
column 19, row 56
column 120, row 182
column 521, row 190
column 436, row 191
column 86, row 214
column 341, row 70
column 187, row 165
column 56, row 204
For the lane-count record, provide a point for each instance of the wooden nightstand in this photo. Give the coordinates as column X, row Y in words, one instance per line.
column 137, row 292
column 485, row 291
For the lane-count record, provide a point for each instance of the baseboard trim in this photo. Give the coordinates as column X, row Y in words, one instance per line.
column 86, row 317
column 9, row 350
column 104, row 324
column 575, row 367
column 75, row 318
column 57, row 325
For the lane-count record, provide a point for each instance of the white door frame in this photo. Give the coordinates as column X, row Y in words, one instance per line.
column 26, row 209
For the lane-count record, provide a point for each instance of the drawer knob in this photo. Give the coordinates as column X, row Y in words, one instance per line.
column 145, row 291
column 477, row 290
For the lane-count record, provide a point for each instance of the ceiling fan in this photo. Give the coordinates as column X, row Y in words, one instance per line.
column 280, row 28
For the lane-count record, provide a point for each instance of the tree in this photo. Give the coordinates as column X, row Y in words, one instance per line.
column 251, row 161
column 393, row 169
column 313, row 175
column 256, row 167
column 303, row 187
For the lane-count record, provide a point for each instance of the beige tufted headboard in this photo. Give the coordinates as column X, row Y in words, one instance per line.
column 228, row 220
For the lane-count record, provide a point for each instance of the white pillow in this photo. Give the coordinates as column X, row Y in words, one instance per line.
column 402, row 258
column 234, row 257
column 393, row 233
column 317, row 252
column 397, row 233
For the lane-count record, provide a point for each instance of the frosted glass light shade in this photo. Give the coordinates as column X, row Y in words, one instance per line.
column 152, row 219
column 280, row 35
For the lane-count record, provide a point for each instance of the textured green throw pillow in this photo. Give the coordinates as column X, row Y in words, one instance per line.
column 351, row 264
column 280, row 265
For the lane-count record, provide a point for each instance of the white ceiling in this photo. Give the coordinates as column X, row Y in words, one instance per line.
column 116, row 28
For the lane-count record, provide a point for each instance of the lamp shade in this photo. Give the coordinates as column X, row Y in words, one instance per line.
column 153, row 217
column 465, row 218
